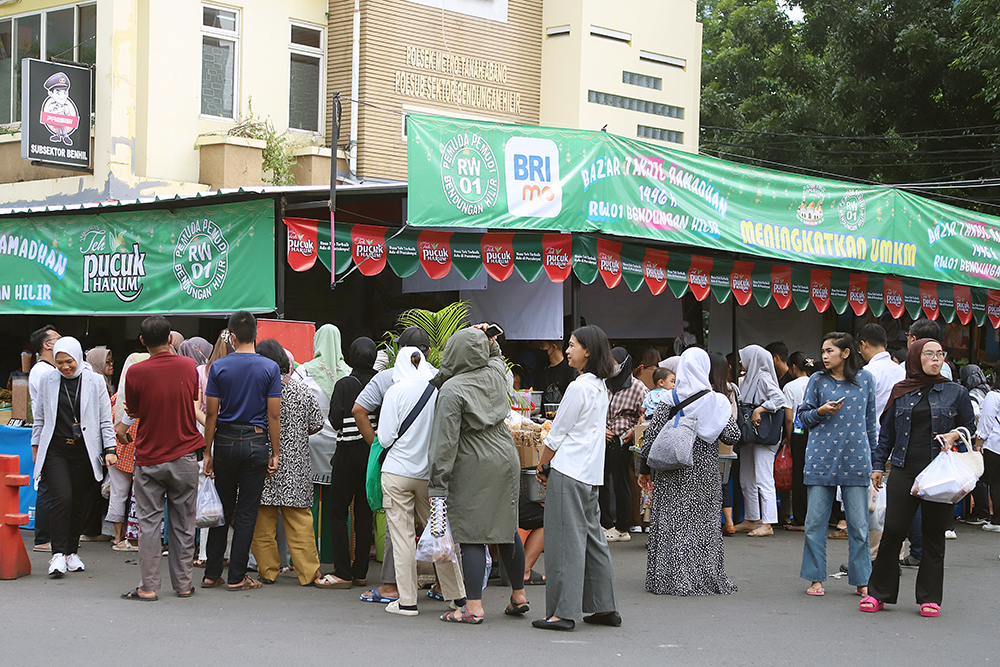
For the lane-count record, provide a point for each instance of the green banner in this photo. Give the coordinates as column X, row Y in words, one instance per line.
column 199, row 259
column 501, row 176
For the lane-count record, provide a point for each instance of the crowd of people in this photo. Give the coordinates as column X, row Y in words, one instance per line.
column 272, row 434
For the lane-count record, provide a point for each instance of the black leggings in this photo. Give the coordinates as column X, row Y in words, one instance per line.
column 474, row 566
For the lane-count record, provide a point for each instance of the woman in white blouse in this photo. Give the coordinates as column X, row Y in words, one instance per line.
column 988, row 433
column 576, row 550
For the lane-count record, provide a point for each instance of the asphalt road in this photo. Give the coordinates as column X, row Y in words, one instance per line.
column 80, row 620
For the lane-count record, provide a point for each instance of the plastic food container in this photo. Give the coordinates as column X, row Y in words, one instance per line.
column 550, row 410
column 530, row 488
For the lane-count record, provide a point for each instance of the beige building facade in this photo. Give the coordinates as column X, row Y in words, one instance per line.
column 630, row 66
column 173, row 81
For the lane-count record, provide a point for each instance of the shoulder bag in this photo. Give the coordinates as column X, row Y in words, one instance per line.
column 769, row 431
column 673, row 448
column 377, row 454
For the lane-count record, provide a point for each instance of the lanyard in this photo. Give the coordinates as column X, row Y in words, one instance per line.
column 73, row 401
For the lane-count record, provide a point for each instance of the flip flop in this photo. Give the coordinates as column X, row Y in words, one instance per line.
column 211, row 583
column 374, row 596
column 461, row 616
column 189, row 594
column 134, row 595
column 930, row 610
column 873, row 604
column 247, row 584
column 815, row 592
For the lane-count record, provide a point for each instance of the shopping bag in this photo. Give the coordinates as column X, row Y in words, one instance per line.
column 373, row 478
column 877, row 519
column 432, row 549
column 783, row 469
column 945, row 480
column 210, row 513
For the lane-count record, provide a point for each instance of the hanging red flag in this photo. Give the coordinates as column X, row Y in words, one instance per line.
column 557, row 259
column 498, row 255
column 654, row 269
column 857, row 293
column 963, row 303
column 434, row 252
column 368, row 249
column 740, row 283
column 929, row 299
column 781, row 285
column 302, row 244
column 609, row 262
column 892, row 291
column 698, row 276
column 819, row 289
column 993, row 307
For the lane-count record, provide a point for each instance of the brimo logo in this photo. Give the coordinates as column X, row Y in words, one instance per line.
column 534, row 189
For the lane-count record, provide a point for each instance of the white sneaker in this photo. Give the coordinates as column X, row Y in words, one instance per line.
column 57, row 566
column 950, row 535
column 74, row 564
column 394, row 608
column 991, row 527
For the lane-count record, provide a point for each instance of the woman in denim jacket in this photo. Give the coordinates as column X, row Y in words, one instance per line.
column 923, row 417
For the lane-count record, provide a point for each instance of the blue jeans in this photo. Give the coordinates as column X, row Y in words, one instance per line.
column 820, row 501
column 240, row 464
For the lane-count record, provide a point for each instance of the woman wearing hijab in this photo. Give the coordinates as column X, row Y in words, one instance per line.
column 624, row 413
column 759, row 388
column 225, row 344
column 350, row 469
column 473, row 466
column 196, row 348
column 924, row 416
column 121, row 472
column 72, row 435
column 404, row 477
column 686, row 555
column 321, row 374
column 838, row 409
column 101, row 362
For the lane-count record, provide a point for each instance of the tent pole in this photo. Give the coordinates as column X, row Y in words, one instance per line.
column 574, row 303
column 736, row 349
column 282, row 234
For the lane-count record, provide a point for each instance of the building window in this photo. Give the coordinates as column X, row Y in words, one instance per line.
column 660, row 59
column 69, row 33
column 220, row 40
column 632, row 104
column 659, row 134
column 654, row 82
column 305, row 77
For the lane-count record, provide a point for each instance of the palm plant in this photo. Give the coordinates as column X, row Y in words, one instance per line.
column 439, row 327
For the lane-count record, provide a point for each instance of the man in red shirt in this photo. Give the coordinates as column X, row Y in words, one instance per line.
column 162, row 393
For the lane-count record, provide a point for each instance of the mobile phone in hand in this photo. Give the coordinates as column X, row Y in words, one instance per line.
column 492, row 331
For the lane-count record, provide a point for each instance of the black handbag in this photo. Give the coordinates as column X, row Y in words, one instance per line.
column 769, row 431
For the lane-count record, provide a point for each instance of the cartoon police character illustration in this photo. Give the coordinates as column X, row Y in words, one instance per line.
column 59, row 113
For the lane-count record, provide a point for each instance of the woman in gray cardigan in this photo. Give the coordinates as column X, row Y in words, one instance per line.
column 71, row 438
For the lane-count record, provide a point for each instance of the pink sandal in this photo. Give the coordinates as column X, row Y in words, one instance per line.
column 930, row 610
column 873, row 605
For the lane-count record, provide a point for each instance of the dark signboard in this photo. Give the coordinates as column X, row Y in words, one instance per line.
column 55, row 113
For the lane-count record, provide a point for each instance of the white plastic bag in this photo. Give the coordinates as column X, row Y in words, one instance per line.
column 432, row 549
column 210, row 513
column 946, row 480
column 106, row 485
column 877, row 519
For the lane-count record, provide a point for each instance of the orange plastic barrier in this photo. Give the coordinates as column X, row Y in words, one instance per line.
column 14, row 561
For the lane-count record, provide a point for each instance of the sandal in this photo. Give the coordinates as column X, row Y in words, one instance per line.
column 815, row 591
column 286, row 568
column 374, row 596
column 200, row 563
column 515, row 609
column 247, row 584
column 870, row 604
column 124, row 545
column 189, row 594
column 461, row 616
column 330, row 581
column 211, row 583
column 134, row 595
column 535, row 579
column 930, row 610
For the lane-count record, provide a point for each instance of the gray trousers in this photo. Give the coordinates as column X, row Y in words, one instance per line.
column 579, row 577
column 178, row 481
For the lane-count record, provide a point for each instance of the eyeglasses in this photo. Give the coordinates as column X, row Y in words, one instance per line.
column 939, row 354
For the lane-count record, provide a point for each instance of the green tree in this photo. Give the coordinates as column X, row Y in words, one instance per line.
column 862, row 89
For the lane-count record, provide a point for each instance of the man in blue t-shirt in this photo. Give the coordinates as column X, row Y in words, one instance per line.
column 243, row 412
